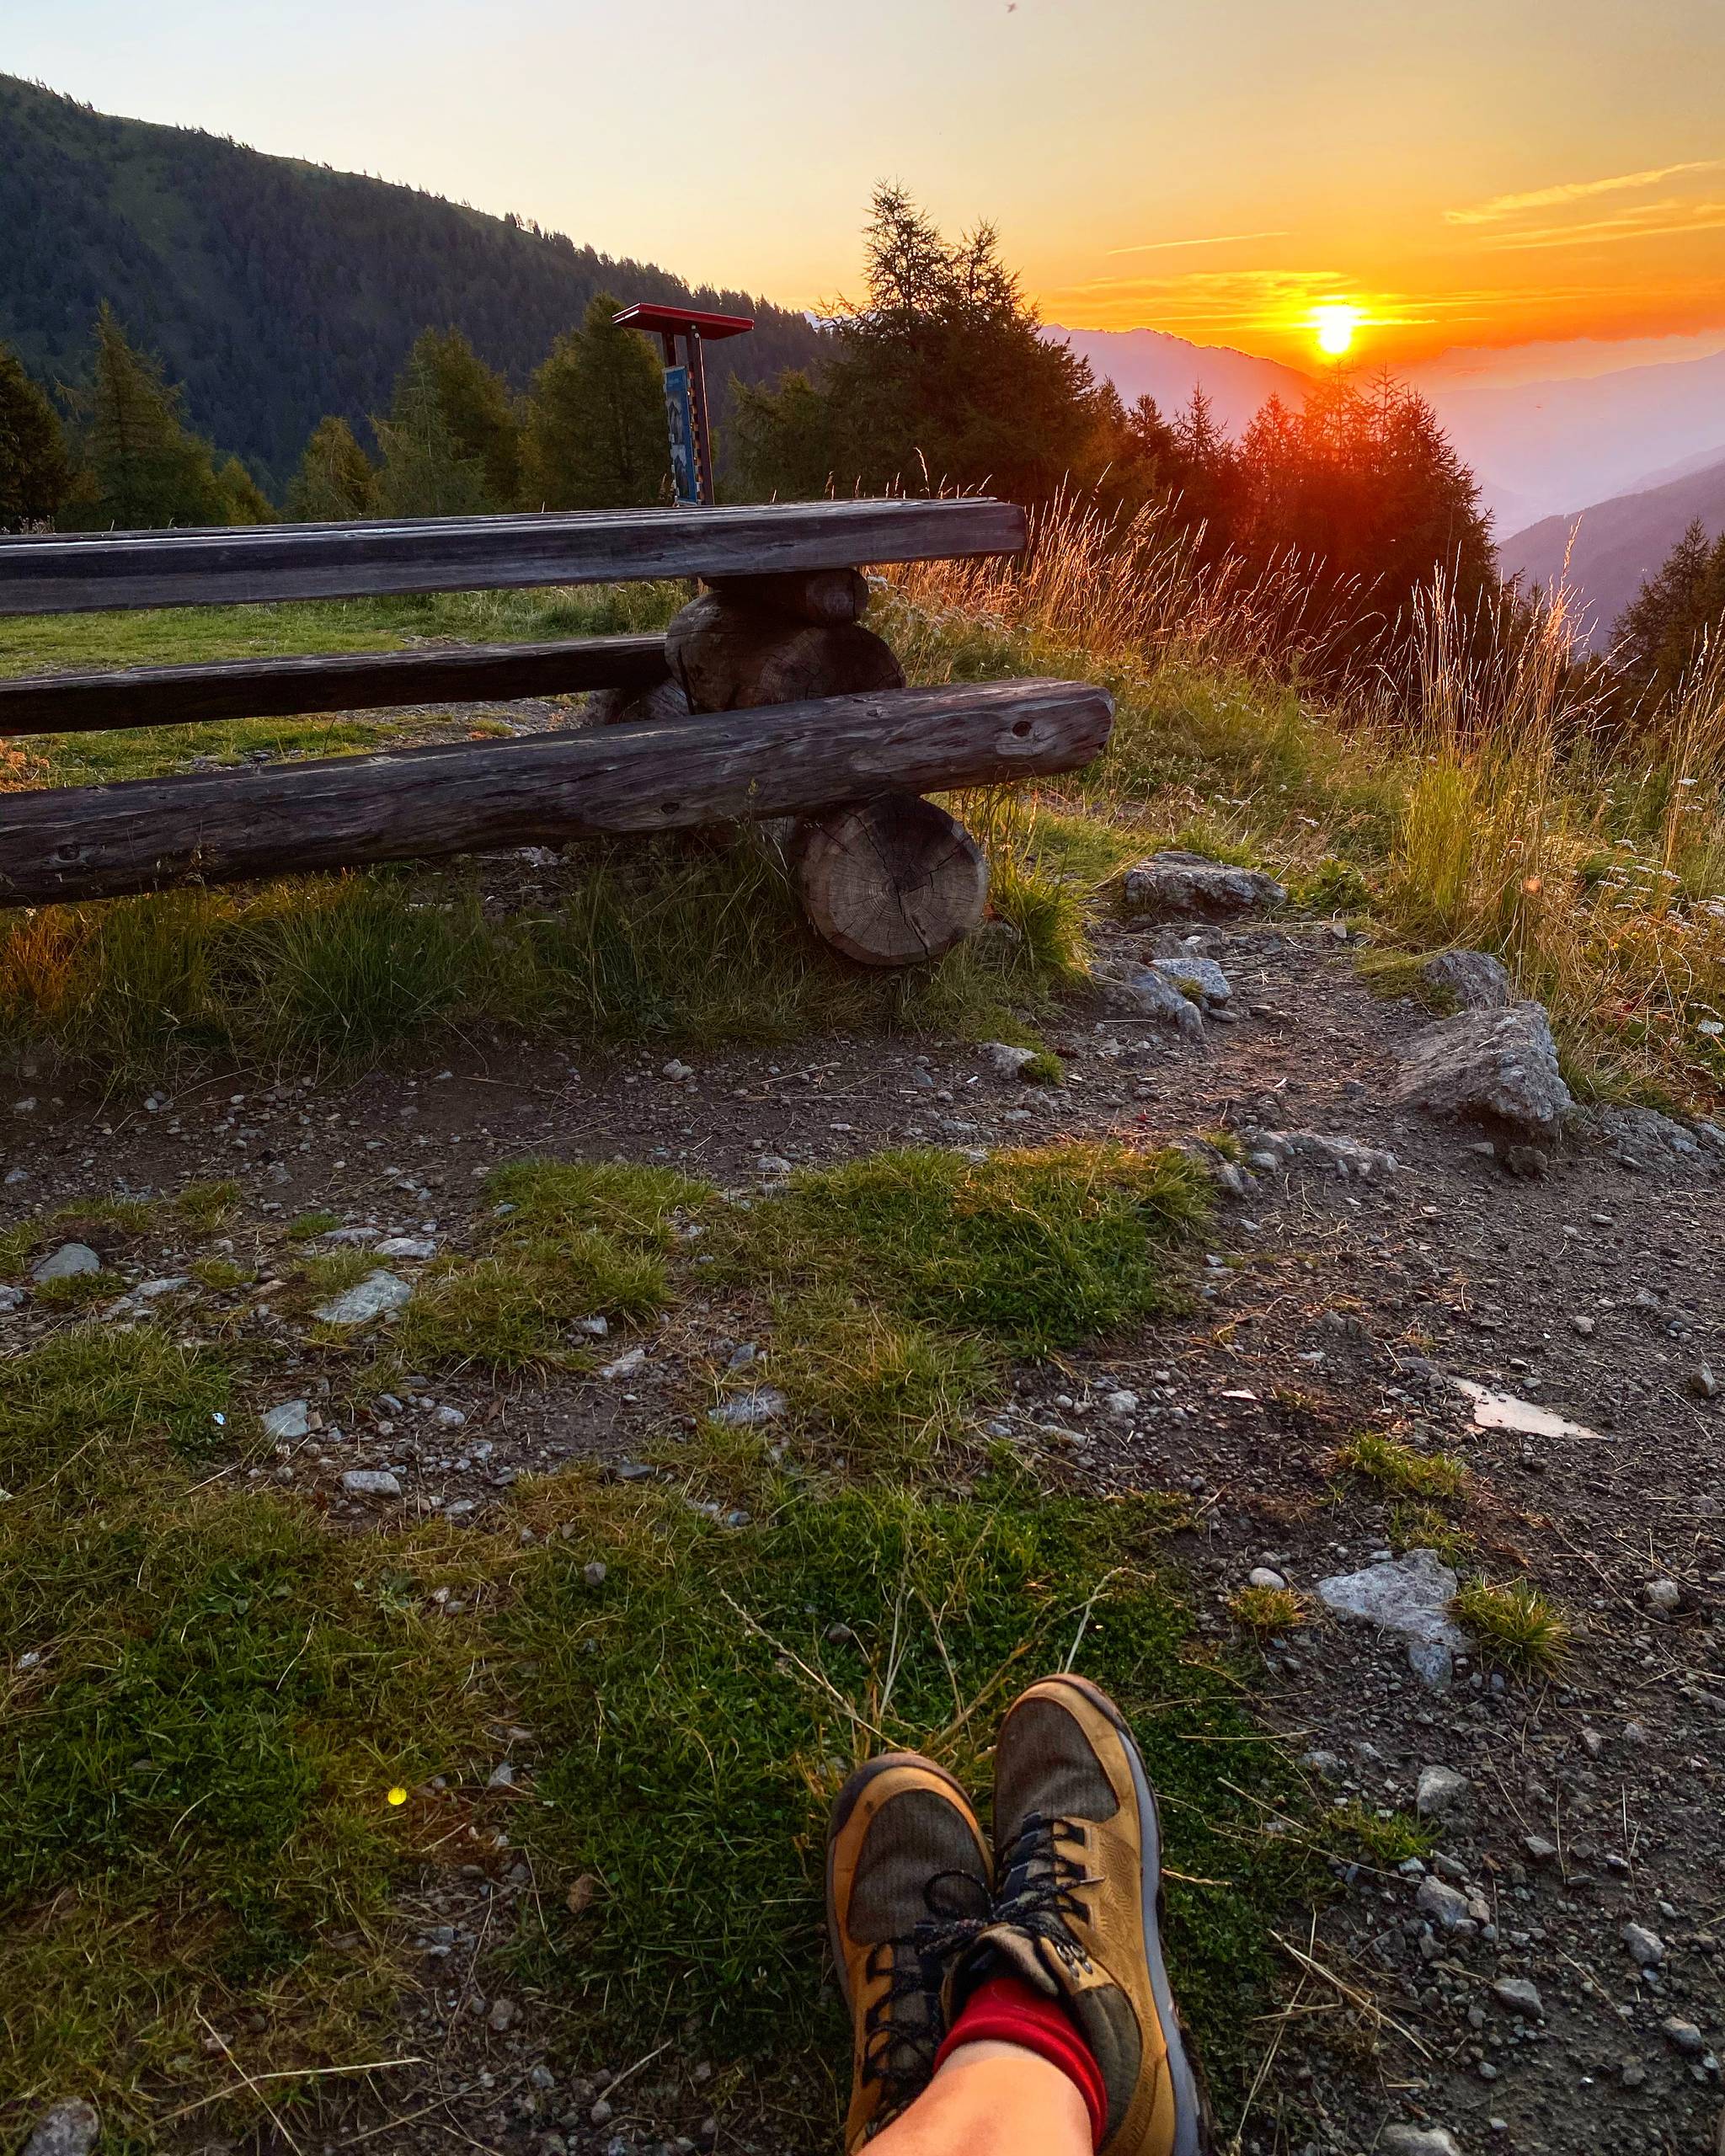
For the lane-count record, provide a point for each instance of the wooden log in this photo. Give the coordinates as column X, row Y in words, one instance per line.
column 822, row 596
column 83, row 842
column 890, row 882
column 274, row 688
column 625, row 707
column 272, row 562
column 728, row 657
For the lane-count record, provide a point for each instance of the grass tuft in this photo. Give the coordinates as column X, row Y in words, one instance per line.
column 1516, row 1626
column 1393, row 1466
column 1267, row 1611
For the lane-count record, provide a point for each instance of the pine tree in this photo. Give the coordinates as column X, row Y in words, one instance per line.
column 34, row 470
column 1680, row 606
column 426, row 470
column 140, row 467
column 243, row 501
column 595, row 433
column 336, row 481
column 474, row 408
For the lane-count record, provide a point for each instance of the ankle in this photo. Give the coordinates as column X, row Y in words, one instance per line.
column 1004, row 2014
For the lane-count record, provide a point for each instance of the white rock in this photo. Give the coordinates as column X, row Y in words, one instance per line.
column 1502, row 1410
column 370, row 1482
column 1646, row 1950
column 1409, row 1597
column 1446, row 1906
column 1174, row 885
column 1663, row 1595
column 1005, row 1060
column 1121, row 1402
column 66, row 1262
column 10, row 1298
column 1441, row 1790
column 70, row 2127
column 677, row 1071
column 370, row 1298
column 1263, row 1576
column 292, row 1419
column 626, row 1364
column 595, row 1328
column 1200, row 977
column 743, row 1410
column 1403, row 2140
column 146, row 1291
column 449, row 1418
column 1318, row 1149
column 1141, row 991
column 417, row 1247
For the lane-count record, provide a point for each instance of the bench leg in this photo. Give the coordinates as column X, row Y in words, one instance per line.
column 893, row 881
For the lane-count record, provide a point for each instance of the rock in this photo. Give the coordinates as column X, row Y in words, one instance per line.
column 292, row 1419
column 1683, row 2036
column 413, row 1246
column 1583, row 1327
column 1539, row 1849
column 1644, row 1134
column 66, row 1262
column 1440, row 1791
column 1409, row 1597
column 594, row 1573
column 504, row 2011
column 595, row 1328
column 1663, row 1595
column 1173, row 885
column 626, row 1364
column 1201, row 978
column 1646, row 1950
column 10, row 1298
column 449, row 1418
column 1477, row 980
column 1497, row 1067
column 1446, row 1906
column 1517, row 1995
column 370, row 1482
column 371, row 1298
column 71, row 2127
column 1704, row 1384
column 1144, row 993
column 1262, row 1575
column 1631, row 2073
column 1316, row 1149
column 743, row 1410
column 1328, row 1765
column 677, row 1072
column 1502, row 1410
column 1400, row 2140
column 1121, row 1402
column 1005, row 1060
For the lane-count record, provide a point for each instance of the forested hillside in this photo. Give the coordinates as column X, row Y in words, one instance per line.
column 279, row 291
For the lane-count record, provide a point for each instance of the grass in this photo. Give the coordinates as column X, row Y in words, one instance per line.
column 1266, row 1611
column 1388, row 1840
column 1517, row 1626
column 1393, row 1466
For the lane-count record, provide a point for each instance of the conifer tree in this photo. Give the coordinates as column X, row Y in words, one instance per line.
column 427, row 471
column 34, row 470
column 140, row 467
column 1679, row 609
column 594, row 436
column 336, row 481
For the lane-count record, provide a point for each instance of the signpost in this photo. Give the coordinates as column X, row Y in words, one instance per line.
column 685, row 386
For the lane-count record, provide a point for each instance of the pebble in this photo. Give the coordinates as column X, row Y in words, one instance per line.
column 744, row 1409
column 292, row 1419
column 1704, row 1384
column 1683, row 2036
column 70, row 2127
column 1518, row 1995
column 1440, row 1790
column 1400, row 2140
column 370, row 1482
column 1121, row 1403
column 1665, row 1595
column 10, row 1298
column 595, row 1328
column 677, row 1071
column 1446, row 1906
column 1646, row 1950
column 1583, row 1325
column 1262, row 1575
column 1005, row 1060
column 418, row 1246
column 1539, row 1849
column 594, row 1573
column 626, row 1364
column 66, row 1262
column 370, row 1298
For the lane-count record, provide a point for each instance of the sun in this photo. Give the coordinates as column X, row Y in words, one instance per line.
column 1333, row 325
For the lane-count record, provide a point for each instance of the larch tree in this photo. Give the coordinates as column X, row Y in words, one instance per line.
column 336, row 481
column 35, row 468
column 595, row 433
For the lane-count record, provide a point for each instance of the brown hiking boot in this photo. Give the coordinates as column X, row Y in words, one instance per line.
column 1078, row 1865
column 908, row 1884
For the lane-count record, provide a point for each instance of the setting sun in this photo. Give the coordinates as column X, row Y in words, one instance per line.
column 1333, row 324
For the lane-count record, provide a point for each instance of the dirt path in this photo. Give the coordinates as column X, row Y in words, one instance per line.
column 1328, row 1306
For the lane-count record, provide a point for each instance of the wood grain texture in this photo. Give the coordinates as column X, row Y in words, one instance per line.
column 270, row 562
column 890, row 882
column 275, row 688
column 455, row 798
column 726, row 656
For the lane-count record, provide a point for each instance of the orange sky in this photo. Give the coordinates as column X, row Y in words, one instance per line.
column 1467, row 171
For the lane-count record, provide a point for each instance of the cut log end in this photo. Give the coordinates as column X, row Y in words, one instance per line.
column 890, row 882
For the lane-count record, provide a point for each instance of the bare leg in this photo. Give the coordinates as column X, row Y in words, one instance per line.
column 992, row 2100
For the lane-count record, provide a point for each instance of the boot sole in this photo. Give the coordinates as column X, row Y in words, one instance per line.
column 1192, row 2119
column 841, row 1810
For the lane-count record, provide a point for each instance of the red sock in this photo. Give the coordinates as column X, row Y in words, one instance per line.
column 1005, row 2010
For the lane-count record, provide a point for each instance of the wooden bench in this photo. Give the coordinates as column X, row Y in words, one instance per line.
column 767, row 698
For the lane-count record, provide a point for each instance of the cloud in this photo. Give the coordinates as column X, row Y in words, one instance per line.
column 1666, row 219
column 1216, row 239
column 1571, row 190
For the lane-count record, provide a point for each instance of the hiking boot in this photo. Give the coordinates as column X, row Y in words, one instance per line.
column 908, row 1883
column 1078, row 1871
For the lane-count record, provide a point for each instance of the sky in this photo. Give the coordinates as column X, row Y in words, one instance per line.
column 1463, row 175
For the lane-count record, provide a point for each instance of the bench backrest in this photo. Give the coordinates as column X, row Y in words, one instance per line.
column 55, row 575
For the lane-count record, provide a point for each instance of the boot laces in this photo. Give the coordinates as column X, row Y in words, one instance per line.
column 905, row 2024
column 1042, row 1882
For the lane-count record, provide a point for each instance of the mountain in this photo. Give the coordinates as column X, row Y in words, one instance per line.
column 278, row 290
column 1589, row 438
column 1614, row 546
column 1152, row 363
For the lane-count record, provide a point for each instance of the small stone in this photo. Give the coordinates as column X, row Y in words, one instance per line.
column 1409, row 1597
column 70, row 2127
column 1446, row 1906
column 1683, row 2036
column 1704, row 1384
column 1646, row 1950
column 66, row 1262
column 595, row 1328
column 1121, row 1403
column 1518, row 1995
column 503, row 2012
column 1328, row 1765
column 502, row 1776
column 744, row 1410
column 374, row 1295
column 594, row 1573
column 449, row 1418
column 1263, row 1576
column 1631, row 2073
column 1201, row 978
column 292, row 1419
column 600, row 2113
column 626, row 1364
column 10, row 1298
column 1539, row 1849
column 1400, row 2140
column 677, row 1071
column 1665, row 1595
column 1005, row 1060
column 1583, row 1327
column 1441, row 1791
column 412, row 1246
column 370, row 1482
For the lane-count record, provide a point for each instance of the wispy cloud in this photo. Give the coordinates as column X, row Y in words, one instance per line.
column 1666, row 219
column 1501, row 206
column 1215, row 239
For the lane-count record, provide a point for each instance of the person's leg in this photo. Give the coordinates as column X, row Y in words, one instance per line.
column 991, row 2099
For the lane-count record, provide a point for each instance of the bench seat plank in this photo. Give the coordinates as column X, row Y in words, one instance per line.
column 273, row 562
column 787, row 759
column 278, row 688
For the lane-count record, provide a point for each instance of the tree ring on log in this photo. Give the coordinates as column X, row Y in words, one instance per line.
column 890, row 882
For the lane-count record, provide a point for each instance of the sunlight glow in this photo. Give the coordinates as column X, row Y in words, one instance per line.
column 1333, row 325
